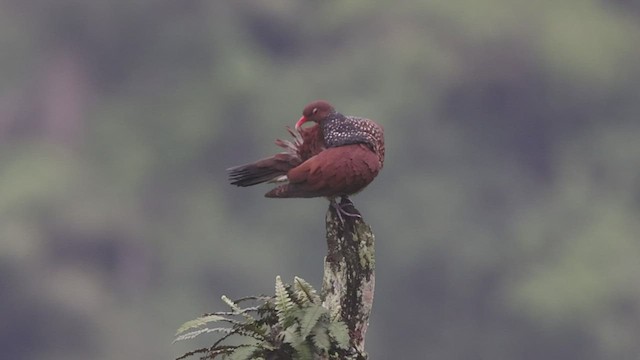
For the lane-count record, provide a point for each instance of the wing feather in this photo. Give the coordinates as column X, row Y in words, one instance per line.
column 342, row 170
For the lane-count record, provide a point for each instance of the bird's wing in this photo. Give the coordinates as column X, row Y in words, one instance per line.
column 335, row 171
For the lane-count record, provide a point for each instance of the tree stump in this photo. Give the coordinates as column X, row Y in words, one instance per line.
column 349, row 279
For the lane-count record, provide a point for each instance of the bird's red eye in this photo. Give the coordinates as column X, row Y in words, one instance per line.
column 315, row 110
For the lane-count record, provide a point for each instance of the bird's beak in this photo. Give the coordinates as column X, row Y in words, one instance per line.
column 300, row 122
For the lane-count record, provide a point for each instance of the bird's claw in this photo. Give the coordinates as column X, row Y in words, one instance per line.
column 340, row 208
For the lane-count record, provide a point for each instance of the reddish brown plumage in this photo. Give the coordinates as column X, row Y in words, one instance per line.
column 337, row 156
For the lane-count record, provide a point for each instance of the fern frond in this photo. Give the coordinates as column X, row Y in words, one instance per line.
column 258, row 329
column 283, row 303
column 250, row 309
column 339, row 332
column 242, row 352
column 221, row 350
column 321, row 339
column 310, row 318
column 232, row 313
column 200, row 322
column 193, row 334
column 249, row 330
column 304, row 351
column 253, row 298
column 292, row 336
column 191, row 353
column 236, row 309
column 304, row 292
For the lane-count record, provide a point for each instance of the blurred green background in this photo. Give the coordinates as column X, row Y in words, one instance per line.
column 507, row 215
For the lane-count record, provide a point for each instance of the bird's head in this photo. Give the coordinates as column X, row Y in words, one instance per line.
column 315, row 112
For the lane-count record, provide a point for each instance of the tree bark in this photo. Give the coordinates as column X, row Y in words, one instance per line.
column 349, row 279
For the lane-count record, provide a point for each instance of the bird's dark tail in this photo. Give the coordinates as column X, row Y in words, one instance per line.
column 261, row 171
column 248, row 175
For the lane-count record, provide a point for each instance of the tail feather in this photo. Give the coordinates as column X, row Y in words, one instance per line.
column 248, row 175
column 265, row 170
column 305, row 144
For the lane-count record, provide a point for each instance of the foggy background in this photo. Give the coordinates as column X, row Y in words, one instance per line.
column 506, row 217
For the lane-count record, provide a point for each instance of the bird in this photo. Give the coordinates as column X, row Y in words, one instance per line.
column 336, row 157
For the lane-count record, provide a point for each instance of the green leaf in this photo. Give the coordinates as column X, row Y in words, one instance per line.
column 199, row 322
column 304, row 292
column 310, row 319
column 340, row 333
column 242, row 353
column 193, row 334
column 283, row 302
column 253, row 329
column 236, row 309
column 304, row 351
column 292, row 336
column 321, row 338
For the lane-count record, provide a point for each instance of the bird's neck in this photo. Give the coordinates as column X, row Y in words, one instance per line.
column 333, row 130
column 340, row 130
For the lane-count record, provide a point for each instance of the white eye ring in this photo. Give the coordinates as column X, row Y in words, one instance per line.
column 315, row 110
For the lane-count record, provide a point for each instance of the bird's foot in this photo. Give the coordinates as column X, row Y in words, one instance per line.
column 345, row 202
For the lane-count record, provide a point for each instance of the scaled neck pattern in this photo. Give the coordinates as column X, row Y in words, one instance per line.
column 340, row 130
